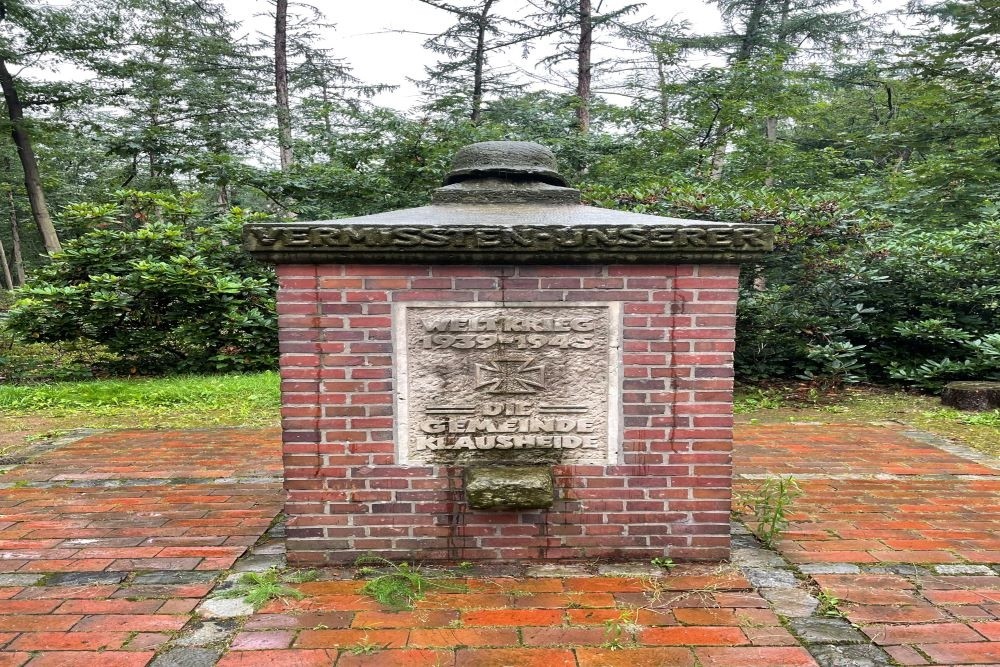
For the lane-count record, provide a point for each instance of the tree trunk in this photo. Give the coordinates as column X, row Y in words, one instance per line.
column 29, row 165
column 15, row 241
column 771, row 134
column 718, row 159
column 6, row 269
column 281, row 83
column 583, row 67
column 480, row 62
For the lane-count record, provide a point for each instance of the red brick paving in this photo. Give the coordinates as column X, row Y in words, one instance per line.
column 927, row 512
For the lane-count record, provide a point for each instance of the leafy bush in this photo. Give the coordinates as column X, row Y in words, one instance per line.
column 160, row 282
column 940, row 304
column 846, row 296
column 802, row 310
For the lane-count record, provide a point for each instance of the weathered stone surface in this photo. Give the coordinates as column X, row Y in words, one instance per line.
column 224, row 608
column 972, row 395
column 793, row 602
column 507, row 384
column 770, row 577
column 15, row 579
column 509, row 487
column 556, row 570
column 187, row 657
column 259, row 563
column 958, row 569
column 208, row 633
column 630, row 570
column 505, row 203
column 751, row 557
column 516, row 159
column 850, row 656
column 174, row 577
column 829, row 568
column 826, row 631
column 84, row 578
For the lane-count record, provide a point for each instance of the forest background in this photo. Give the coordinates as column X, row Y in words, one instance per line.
column 870, row 139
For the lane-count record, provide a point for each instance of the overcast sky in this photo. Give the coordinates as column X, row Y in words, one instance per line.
column 367, row 33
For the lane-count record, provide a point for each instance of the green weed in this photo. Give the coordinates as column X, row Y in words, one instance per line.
column 259, row 588
column 398, row 588
column 828, row 605
column 366, row 647
column 620, row 632
column 664, row 563
column 770, row 503
column 397, row 585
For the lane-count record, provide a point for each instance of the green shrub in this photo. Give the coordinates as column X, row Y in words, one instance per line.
column 939, row 309
column 161, row 283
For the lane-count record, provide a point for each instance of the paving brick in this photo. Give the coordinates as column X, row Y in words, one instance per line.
column 560, row 636
column 38, row 623
column 863, row 614
column 921, row 634
column 289, row 658
column 755, row 657
column 69, row 641
column 512, row 617
column 635, row 657
column 990, row 630
column 460, row 637
column 351, row 637
column 397, row 658
column 962, row 653
column 522, row 657
column 693, row 636
column 275, row 639
column 83, row 659
column 109, row 606
column 424, row 618
column 905, row 655
column 130, row 623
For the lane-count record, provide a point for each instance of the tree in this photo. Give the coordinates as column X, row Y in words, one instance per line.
column 281, row 83
column 763, row 40
column 465, row 74
column 576, row 22
column 37, row 34
column 192, row 97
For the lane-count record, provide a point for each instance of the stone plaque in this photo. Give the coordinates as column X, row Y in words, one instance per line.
column 507, row 383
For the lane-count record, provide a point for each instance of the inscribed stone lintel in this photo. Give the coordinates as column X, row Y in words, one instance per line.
column 521, row 383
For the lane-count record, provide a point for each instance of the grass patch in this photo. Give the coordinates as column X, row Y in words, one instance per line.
column 259, row 588
column 176, row 402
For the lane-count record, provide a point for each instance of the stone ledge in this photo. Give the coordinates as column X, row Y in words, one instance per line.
column 666, row 243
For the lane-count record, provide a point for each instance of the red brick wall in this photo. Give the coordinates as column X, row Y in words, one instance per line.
column 669, row 496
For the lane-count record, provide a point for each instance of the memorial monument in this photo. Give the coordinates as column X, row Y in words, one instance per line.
column 507, row 374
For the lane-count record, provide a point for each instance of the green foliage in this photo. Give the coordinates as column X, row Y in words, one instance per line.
column 770, row 503
column 259, row 392
column 22, row 362
column 259, row 588
column 940, row 305
column 663, row 563
column 620, row 633
column 161, row 283
column 398, row 588
column 828, row 605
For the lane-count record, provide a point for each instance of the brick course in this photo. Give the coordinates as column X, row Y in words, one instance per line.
column 668, row 495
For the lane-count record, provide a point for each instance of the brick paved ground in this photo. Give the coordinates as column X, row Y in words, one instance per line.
column 110, row 545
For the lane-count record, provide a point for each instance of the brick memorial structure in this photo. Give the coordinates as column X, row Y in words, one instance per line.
column 507, row 374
